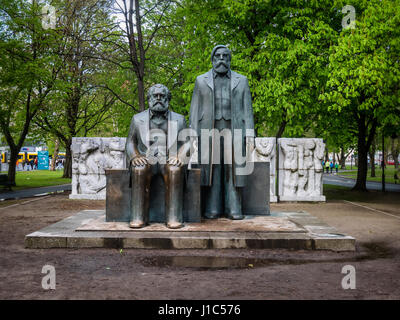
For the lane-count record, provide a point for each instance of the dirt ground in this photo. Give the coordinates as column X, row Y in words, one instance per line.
column 203, row 274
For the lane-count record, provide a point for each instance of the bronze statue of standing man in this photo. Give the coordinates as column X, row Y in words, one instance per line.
column 222, row 100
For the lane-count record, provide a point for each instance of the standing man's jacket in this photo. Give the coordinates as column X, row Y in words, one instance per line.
column 202, row 116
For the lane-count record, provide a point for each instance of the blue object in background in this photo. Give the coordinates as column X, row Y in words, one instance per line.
column 43, row 160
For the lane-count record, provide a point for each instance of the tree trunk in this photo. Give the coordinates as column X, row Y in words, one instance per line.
column 55, row 155
column 326, row 154
column 281, row 129
column 363, row 146
column 395, row 153
column 141, row 94
column 68, row 160
column 12, row 165
column 372, row 159
column 362, row 163
column 342, row 159
column 362, row 169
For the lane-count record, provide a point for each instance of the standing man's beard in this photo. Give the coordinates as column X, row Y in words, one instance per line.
column 221, row 67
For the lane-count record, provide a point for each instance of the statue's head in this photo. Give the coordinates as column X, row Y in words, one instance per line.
column 158, row 98
column 221, row 59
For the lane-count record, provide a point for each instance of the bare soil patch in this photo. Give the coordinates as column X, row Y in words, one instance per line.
column 202, row 274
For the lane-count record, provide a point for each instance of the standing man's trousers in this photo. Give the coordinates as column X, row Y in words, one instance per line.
column 223, row 197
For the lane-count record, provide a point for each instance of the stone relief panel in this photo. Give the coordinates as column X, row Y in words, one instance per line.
column 90, row 158
column 300, row 169
column 300, row 166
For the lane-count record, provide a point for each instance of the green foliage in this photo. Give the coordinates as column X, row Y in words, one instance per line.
column 363, row 84
column 364, row 64
column 27, row 67
column 308, row 76
column 79, row 104
column 283, row 48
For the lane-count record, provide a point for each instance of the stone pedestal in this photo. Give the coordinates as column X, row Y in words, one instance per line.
column 118, row 204
column 281, row 230
column 264, row 151
column 255, row 196
column 118, row 197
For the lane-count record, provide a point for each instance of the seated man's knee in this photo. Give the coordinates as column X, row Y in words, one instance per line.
column 140, row 169
column 173, row 169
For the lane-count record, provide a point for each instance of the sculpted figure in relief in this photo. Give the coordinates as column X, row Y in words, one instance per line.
column 290, row 164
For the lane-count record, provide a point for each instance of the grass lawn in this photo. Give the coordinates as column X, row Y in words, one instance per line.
column 389, row 174
column 333, row 192
column 38, row 178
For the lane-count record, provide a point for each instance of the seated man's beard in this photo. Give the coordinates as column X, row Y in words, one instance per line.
column 158, row 107
column 158, row 113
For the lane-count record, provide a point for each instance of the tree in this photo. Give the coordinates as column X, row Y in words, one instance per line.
column 141, row 21
column 78, row 105
column 28, row 68
column 282, row 47
column 364, row 74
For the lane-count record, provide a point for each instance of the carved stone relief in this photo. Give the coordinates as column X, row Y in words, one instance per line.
column 90, row 158
column 300, row 166
column 300, row 169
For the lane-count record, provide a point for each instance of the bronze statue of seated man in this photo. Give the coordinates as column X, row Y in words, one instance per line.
column 152, row 147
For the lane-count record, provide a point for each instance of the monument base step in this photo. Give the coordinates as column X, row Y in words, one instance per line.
column 281, row 230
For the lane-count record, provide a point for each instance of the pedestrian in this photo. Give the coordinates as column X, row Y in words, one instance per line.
column 331, row 166
column 36, row 163
column 337, row 167
column 32, row 163
column 327, row 166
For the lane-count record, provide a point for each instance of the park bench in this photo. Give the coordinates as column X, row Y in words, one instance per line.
column 4, row 181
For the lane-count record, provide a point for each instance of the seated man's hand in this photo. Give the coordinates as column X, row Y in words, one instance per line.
column 139, row 161
column 175, row 161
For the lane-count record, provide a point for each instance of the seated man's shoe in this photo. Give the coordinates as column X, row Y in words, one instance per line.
column 235, row 216
column 211, row 215
column 174, row 225
column 136, row 224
